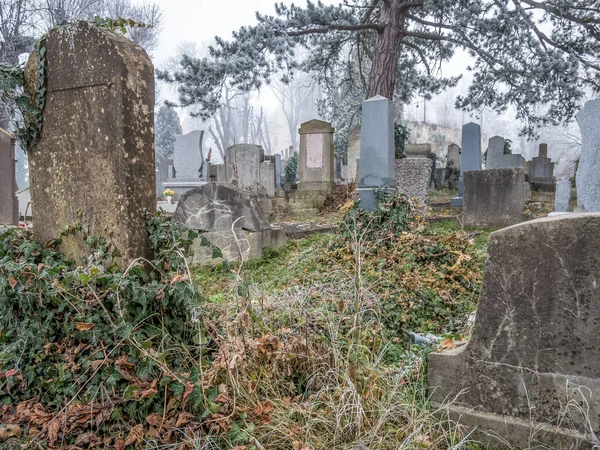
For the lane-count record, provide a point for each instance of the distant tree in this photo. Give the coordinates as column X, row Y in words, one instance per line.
column 535, row 54
column 166, row 129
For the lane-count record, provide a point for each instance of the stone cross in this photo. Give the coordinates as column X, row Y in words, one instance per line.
column 9, row 204
column 588, row 181
column 377, row 155
column 94, row 163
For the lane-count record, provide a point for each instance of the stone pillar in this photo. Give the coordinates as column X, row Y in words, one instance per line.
column 562, row 196
column 452, row 167
column 94, row 163
column 470, row 157
column 377, row 158
column 277, row 171
column 315, row 164
column 353, row 153
column 9, row 204
column 588, row 181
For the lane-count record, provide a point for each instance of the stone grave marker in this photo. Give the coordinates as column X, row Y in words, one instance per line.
column 533, row 358
column 315, row 161
column 9, row 204
column 496, row 159
column 562, row 196
column 588, row 179
column 246, row 168
column 94, row 162
column 413, row 177
column 377, row 155
column 353, row 153
column 189, row 168
column 470, row 157
column 162, row 174
column 452, row 171
column 494, row 197
column 541, row 170
column 278, row 172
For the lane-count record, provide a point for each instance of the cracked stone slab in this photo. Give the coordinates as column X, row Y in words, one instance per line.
column 535, row 344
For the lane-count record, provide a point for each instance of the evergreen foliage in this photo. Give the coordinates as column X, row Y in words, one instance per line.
column 166, row 129
column 538, row 55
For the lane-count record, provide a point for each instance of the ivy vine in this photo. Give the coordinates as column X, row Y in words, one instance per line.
column 12, row 84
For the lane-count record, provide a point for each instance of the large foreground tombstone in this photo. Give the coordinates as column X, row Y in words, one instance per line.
column 494, row 197
column 377, row 158
column 9, row 204
column 470, row 157
column 588, row 181
column 94, row 162
column 315, row 161
column 533, row 355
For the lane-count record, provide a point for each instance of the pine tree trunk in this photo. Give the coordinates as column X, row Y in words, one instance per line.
column 385, row 62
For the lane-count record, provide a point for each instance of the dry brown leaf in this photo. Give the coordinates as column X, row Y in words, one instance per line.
column 53, row 430
column 83, row 326
column 135, row 435
column 12, row 282
column 448, row 343
column 8, row 431
column 12, row 372
column 189, row 387
column 155, row 420
column 119, row 444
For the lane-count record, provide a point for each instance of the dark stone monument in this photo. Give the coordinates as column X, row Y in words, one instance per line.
column 9, row 204
column 530, row 375
column 470, row 157
column 94, row 162
column 494, row 197
column 541, row 171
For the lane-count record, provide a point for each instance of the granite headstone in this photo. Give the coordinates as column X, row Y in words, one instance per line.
column 588, row 171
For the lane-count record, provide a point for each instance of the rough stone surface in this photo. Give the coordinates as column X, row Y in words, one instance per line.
column 353, row 153
column 9, row 204
column 244, row 168
column 316, row 159
column 588, row 171
column 417, row 150
column 534, row 341
column 540, row 170
column 218, row 207
column 413, row 176
column 496, row 159
column 94, row 162
column 494, row 197
column 562, row 196
column 377, row 156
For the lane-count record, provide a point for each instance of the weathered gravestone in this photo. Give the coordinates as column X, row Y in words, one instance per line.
column 9, row 204
column 413, row 178
column 188, row 164
column 497, row 159
column 230, row 218
column 470, row 157
column 315, row 161
column 417, row 150
column 246, row 168
column 278, row 170
column 530, row 375
column 494, row 197
column 562, row 196
column 162, row 174
column 94, row 161
column 353, row 153
column 452, row 167
column 588, row 179
column 377, row 155
column 541, row 170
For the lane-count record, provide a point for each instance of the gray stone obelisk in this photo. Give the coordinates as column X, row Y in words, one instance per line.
column 470, row 157
column 377, row 164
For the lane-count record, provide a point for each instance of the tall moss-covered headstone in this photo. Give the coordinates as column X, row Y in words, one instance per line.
column 94, row 162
